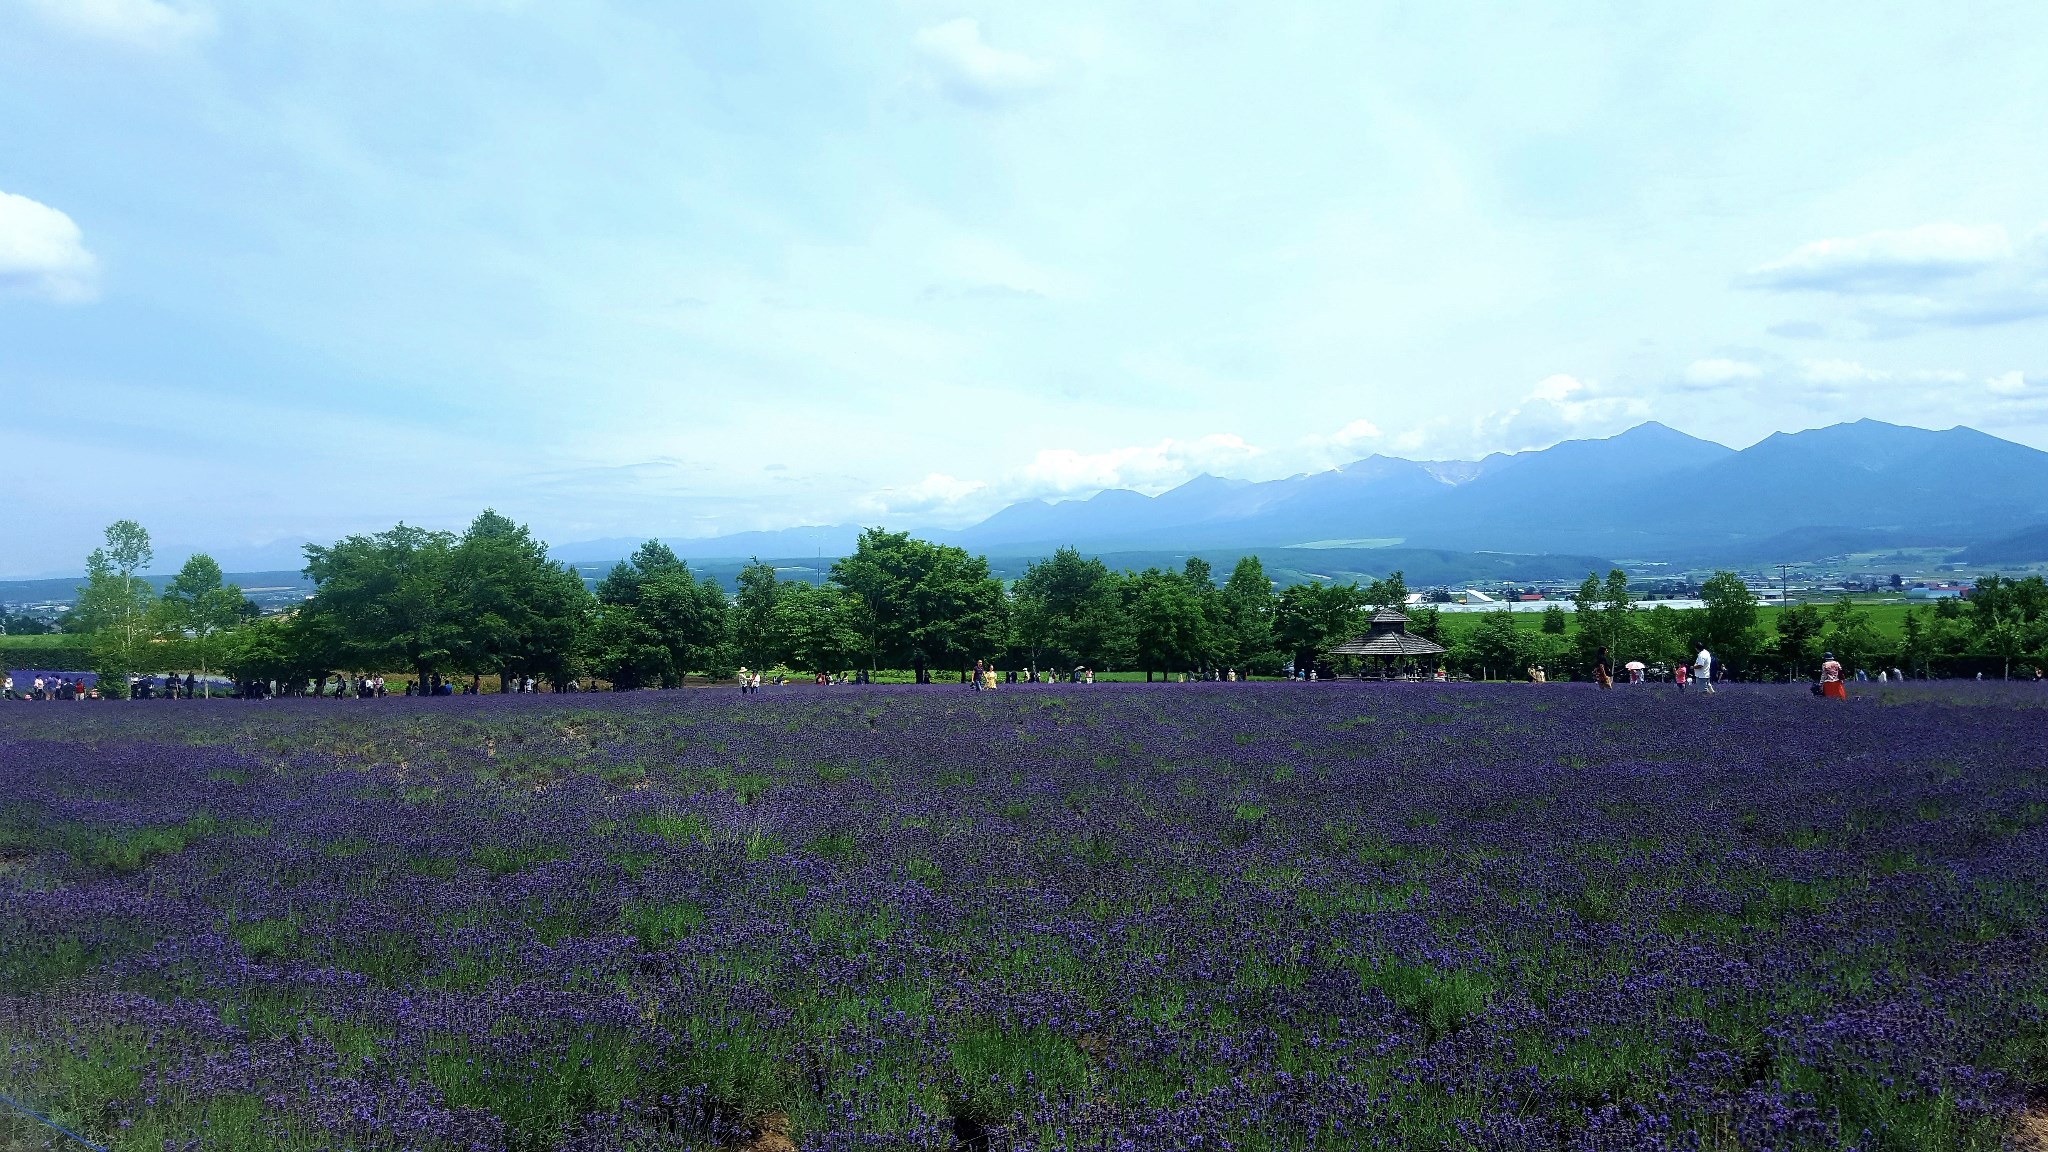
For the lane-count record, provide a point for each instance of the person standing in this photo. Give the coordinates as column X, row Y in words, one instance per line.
column 1703, row 670
column 1831, row 685
column 1601, row 674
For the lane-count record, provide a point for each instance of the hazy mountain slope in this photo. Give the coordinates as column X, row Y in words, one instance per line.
column 1650, row 492
column 2027, row 546
column 1580, row 494
column 1870, row 474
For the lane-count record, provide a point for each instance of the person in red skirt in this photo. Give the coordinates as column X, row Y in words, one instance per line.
column 1831, row 678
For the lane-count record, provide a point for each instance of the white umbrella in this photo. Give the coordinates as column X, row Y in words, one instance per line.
column 1634, row 665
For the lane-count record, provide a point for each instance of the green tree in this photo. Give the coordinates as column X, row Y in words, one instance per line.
column 1206, row 613
column 1310, row 618
column 1427, row 621
column 1244, row 618
column 656, row 622
column 1586, row 601
column 687, row 618
column 959, row 612
column 1555, row 622
column 2009, row 617
column 293, row 649
column 882, row 572
column 921, row 602
column 1729, row 623
column 1661, row 636
column 115, row 605
column 1949, row 631
column 1496, row 647
column 1068, row 611
column 1606, row 614
column 1916, row 647
column 1391, row 592
column 1848, row 633
column 198, row 606
column 621, row 650
column 1168, row 627
column 817, row 629
column 1798, row 643
column 389, row 599
column 518, row 613
column 753, row 615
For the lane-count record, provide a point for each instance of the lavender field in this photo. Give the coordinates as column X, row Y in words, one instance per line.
column 1271, row 916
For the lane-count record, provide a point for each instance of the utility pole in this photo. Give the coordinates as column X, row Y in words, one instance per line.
column 1785, row 605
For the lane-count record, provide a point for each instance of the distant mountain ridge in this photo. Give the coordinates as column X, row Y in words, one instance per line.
column 1651, row 493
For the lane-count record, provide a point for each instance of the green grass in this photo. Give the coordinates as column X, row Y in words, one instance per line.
column 1441, row 1000
column 655, row 924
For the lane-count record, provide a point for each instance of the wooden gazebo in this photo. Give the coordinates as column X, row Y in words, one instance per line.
column 1387, row 639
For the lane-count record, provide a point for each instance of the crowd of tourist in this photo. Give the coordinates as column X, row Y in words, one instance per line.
column 51, row 686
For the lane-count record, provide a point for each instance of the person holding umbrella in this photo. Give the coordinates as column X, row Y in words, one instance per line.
column 1635, row 671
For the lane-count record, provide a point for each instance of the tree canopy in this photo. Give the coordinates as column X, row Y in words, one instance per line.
column 491, row 601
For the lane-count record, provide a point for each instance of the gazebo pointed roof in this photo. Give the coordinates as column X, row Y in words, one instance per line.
column 1387, row 635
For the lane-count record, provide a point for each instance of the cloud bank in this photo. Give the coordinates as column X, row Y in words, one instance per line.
column 148, row 24
column 42, row 252
column 970, row 70
column 1933, row 275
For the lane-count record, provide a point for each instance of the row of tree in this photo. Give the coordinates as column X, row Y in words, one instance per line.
column 2002, row 627
column 491, row 601
column 189, row 625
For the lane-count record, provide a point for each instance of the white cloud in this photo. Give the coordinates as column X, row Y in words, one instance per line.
column 970, row 70
column 936, row 491
column 1720, row 371
column 136, row 23
column 1889, row 261
column 42, row 252
column 2007, row 384
column 1322, row 450
column 1355, row 431
column 1838, row 372
column 1155, row 467
column 1559, row 407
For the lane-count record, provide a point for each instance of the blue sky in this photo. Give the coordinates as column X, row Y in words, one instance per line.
column 271, row 272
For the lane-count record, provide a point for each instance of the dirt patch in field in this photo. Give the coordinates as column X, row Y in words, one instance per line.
column 2032, row 1133
column 771, row 1134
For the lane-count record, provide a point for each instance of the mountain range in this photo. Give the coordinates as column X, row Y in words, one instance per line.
column 1650, row 493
